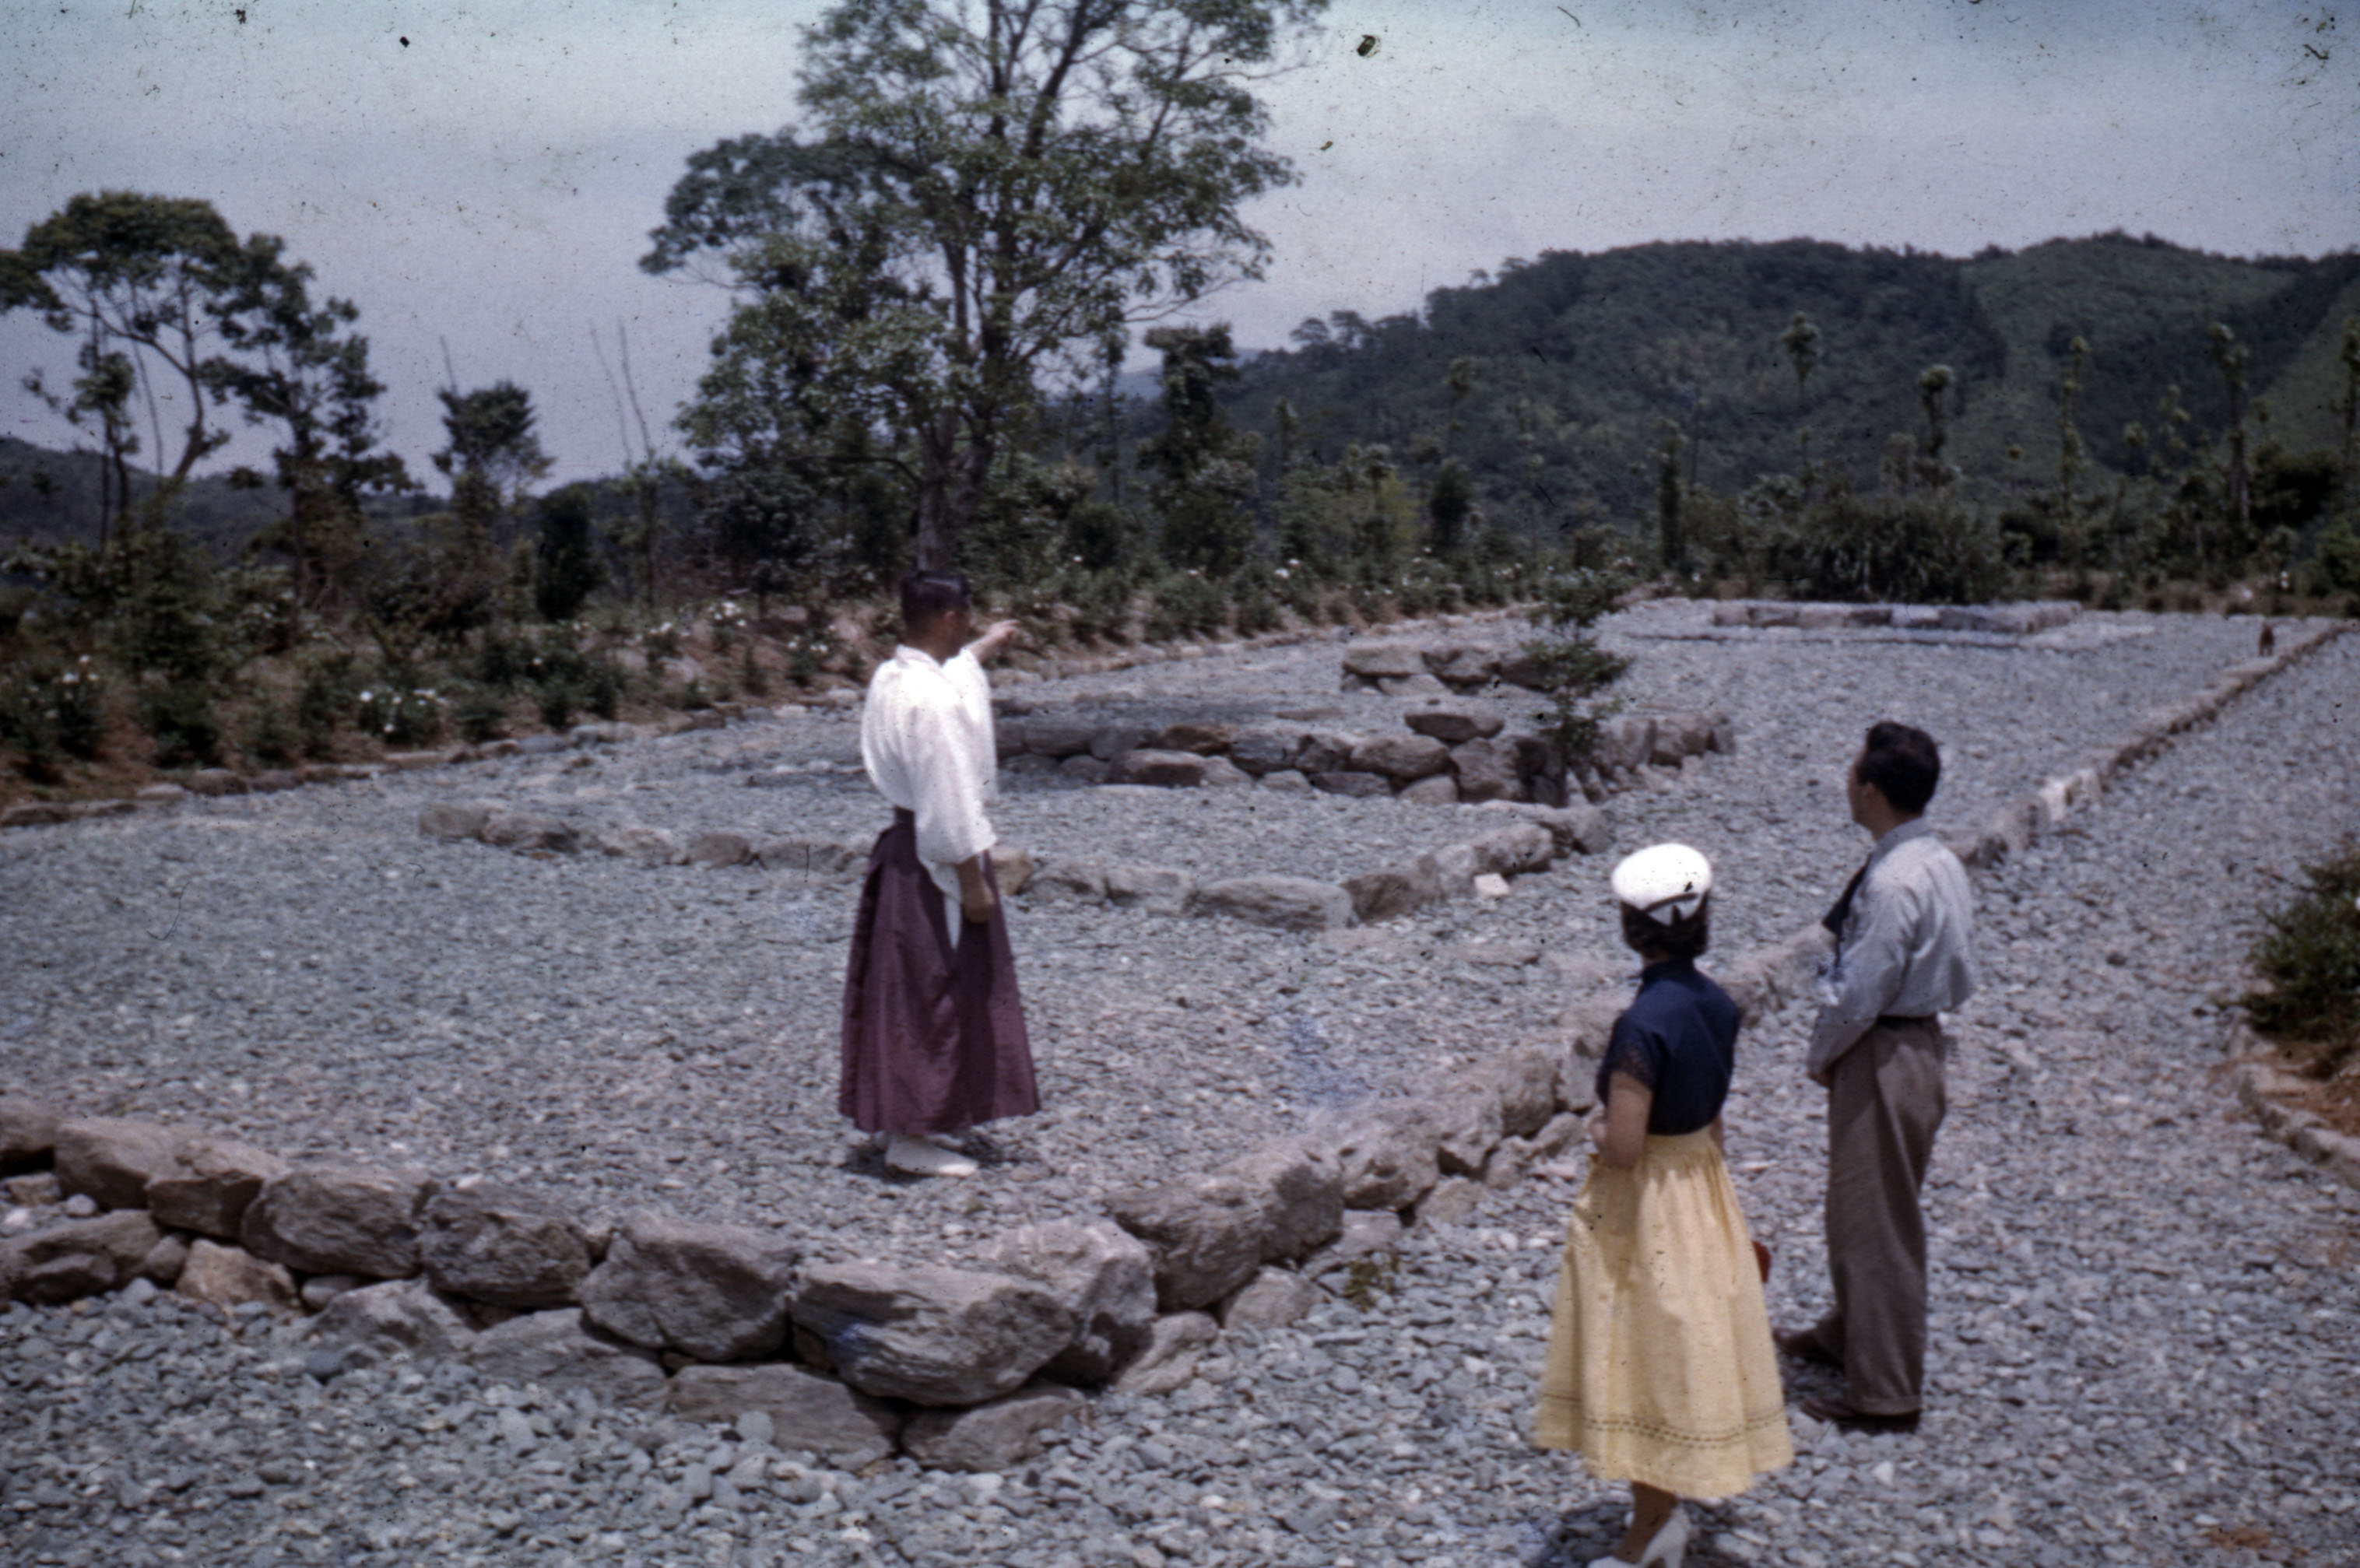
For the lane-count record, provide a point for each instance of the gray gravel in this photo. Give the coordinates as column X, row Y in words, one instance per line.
column 2144, row 1334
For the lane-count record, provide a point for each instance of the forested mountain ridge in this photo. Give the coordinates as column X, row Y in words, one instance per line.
column 1577, row 361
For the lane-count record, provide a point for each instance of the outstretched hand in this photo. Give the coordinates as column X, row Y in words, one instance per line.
column 997, row 635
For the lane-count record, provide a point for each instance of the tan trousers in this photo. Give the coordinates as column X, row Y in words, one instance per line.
column 1884, row 1104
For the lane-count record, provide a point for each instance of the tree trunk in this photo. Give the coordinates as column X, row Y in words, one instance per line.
column 950, row 489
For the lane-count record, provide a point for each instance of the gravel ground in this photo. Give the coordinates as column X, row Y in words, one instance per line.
column 2144, row 1329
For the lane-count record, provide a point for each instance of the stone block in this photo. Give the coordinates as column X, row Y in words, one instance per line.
column 227, row 1277
column 216, row 1182
column 524, row 831
column 642, row 845
column 1486, row 770
column 1110, row 741
column 932, row 1336
column 405, row 1316
column 1056, row 735
column 809, row 1413
column 1453, row 1200
column 1282, row 903
column 819, row 857
column 1263, row 749
column 1458, row 724
column 1273, row 1299
column 1384, row 895
column 1515, row 850
column 1300, row 1188
column 1418, row 685
column 557, row 1350
column 1166, row 770
column 1524, row 1080
column 217, row 781
column 1220, row 773
column 716, row 1292
column 1385, row 1153
column 503, row 1246
column 1168, row 1360
column 29, row 1131
column 1012, row 869
column 1285, row 781
column 1202, row 737
column 1206, row 1235
column 63, row 1263
column 1400, row 758
column 721, row 848
column 997, row 1436
column 325, row 1219
column 1158, row 889
column 1081, row 881
column 1383, row 660
column 1439, row 790
column 455, row 819
column 1325, row 751
column 1105, row 1277
column 1352, row 784
column 112, row 1159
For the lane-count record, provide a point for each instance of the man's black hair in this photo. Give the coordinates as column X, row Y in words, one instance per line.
column 1684, row 937
column 1904, row 765
column 926, row 595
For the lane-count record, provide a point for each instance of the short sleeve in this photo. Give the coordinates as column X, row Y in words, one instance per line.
column 1634, row 1053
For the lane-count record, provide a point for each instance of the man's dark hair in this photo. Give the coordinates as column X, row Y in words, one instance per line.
column 1687, row 938
column 1903, row 764
column 926, row 595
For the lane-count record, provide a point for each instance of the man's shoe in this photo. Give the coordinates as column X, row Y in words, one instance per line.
column 1803, row 1344
column 1838, row 1413
column 916, row 1157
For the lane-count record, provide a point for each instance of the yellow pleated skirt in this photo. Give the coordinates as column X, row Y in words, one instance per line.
column 1660, row 1367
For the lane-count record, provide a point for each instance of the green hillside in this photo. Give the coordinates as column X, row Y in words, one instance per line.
column 1579, row 359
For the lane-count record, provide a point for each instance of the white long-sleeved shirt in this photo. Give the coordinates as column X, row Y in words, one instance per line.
column 1907, row 946
column 926, row 740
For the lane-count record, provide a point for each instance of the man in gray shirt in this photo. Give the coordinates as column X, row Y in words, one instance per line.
column 1903, row 928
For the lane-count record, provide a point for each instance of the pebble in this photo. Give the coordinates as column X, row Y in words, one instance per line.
column 2144, row 1335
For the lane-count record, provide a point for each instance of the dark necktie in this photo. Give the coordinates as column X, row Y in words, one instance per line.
column 1834, row 919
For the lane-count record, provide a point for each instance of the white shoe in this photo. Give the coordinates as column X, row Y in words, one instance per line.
column 1668, row 1546
column 918, row 1157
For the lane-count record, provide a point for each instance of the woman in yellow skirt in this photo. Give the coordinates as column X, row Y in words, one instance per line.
column 1660, row 1368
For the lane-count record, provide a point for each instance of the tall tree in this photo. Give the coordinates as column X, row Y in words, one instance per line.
column 1802, row 342
column 1203, row 464
column 494, row 457
column 135, row 278
column 299, row 367
column 981, row 195
column 2229, row 358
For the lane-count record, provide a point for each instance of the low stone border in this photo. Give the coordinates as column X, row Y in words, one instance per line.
column 2013, row 827
column 2026, row 618
column 1459, row 752
column 2263, row 1087
column 1531, row 842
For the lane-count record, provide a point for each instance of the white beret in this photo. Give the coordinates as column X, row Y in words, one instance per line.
column 1666, row 881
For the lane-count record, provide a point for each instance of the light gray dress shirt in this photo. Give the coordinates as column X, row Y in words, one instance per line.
column 1907, row 946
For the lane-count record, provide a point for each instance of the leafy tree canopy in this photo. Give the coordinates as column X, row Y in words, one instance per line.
column 981, row 196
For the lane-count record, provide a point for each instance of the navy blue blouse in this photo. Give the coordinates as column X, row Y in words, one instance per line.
column 1678, row 1036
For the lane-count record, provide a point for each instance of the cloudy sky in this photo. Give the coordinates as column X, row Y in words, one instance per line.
column 483, row 174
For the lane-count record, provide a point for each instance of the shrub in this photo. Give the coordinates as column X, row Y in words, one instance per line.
column 2312, row 959
column 1186, row 604
column 1914, row 550
column 271, row 735
column 393, row 711
column 325, row 695
column 1575, row 671
column 477, row 712
column 557, row 698
column 182, row 724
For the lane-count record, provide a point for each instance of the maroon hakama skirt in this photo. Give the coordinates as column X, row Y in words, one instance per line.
column 933, row 1036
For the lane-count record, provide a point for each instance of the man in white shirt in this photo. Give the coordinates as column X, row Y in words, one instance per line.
column 934, row 1032
column 1904, row 931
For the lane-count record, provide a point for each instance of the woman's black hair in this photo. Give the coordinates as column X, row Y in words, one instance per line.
column 1685, row 938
